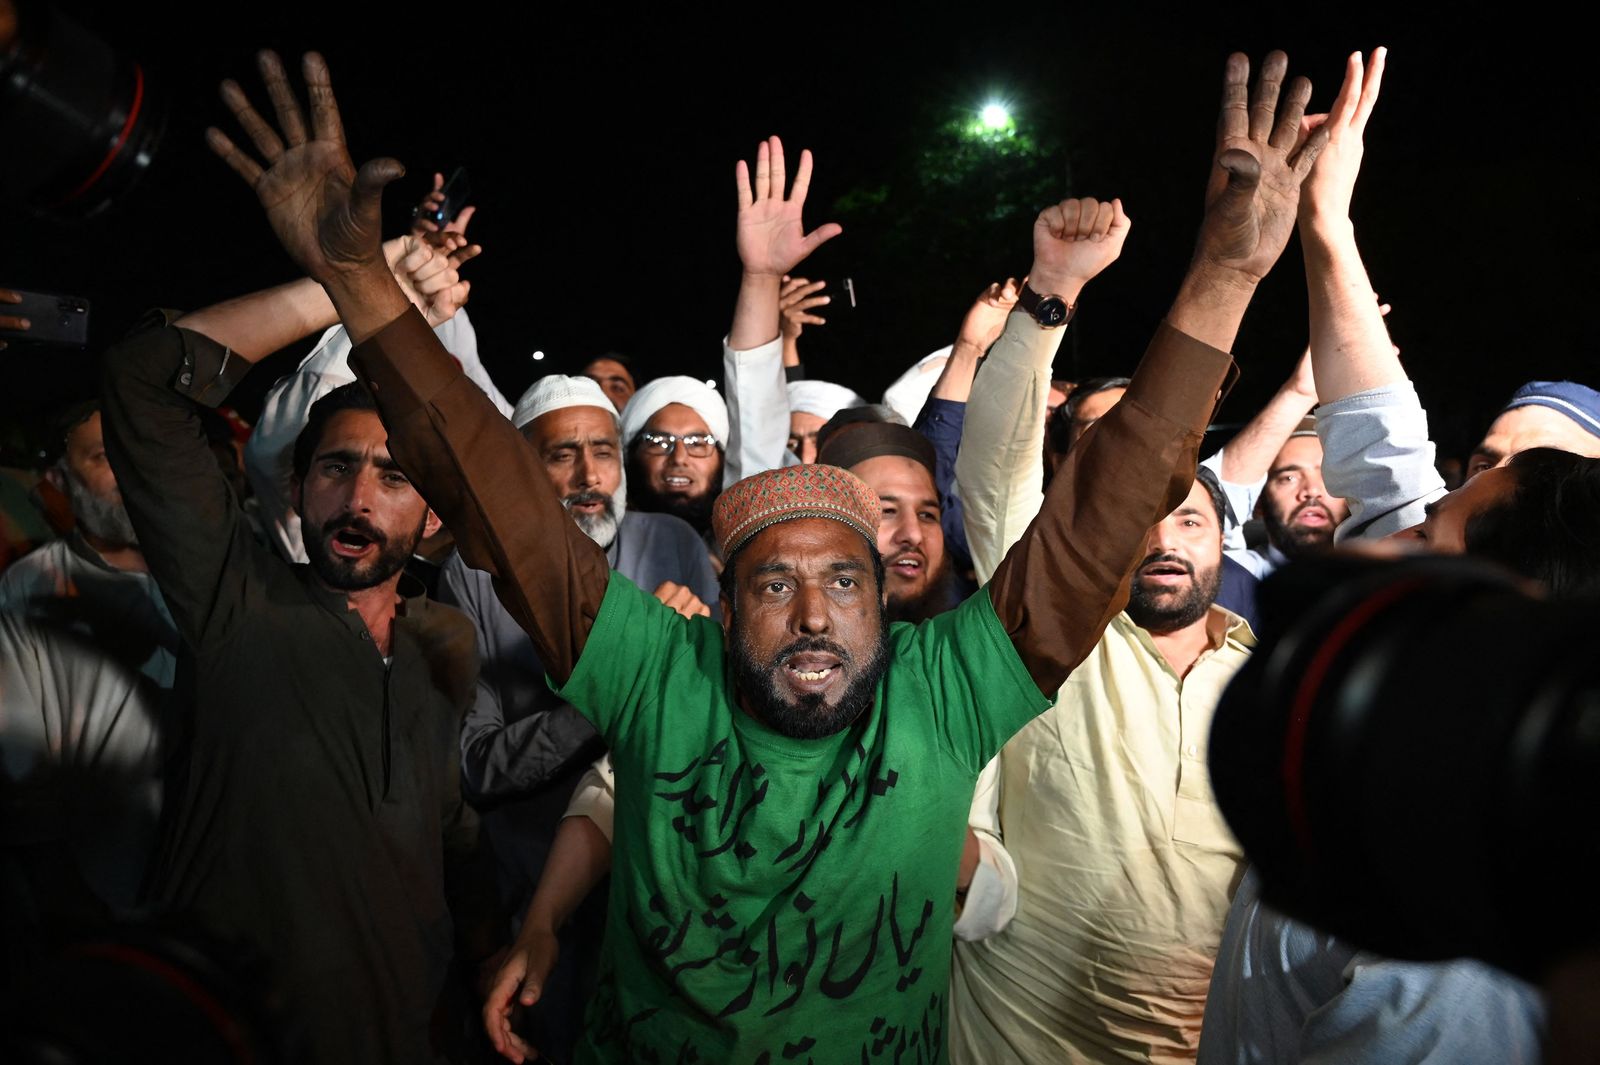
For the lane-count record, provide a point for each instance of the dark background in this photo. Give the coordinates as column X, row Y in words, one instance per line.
column 601, row 147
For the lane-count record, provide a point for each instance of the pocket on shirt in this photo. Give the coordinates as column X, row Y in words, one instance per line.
column 1196, row 819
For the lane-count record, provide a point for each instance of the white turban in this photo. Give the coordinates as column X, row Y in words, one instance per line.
column 821, row 398
column 555, row 391
column 694, row 394
column 910, row 390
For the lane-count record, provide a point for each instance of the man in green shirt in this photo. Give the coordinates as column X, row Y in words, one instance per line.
column 792, row 785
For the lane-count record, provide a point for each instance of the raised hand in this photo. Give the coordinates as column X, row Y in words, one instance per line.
column 986, row 318
column 324, row 211
column 1073, row 241
column 795, row 301
column 425, row 227
column 772, row 239
column 1263, row 155
column 429, row 275
column 1327, row 192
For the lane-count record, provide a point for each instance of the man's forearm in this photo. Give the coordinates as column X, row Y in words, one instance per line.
column 1210, row 305
column 755, row 312
column 1248, row 456
column 1350, row 347
column 255, row 326
column 955, row 380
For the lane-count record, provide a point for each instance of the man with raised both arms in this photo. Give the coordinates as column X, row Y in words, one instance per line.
column 793, row 784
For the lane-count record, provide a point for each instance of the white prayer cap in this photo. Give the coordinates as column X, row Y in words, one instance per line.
column 821, row 398
column 694, row 394
column 555, row 391
column 910, row 390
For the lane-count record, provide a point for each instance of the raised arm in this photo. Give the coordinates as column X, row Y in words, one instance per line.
column 998, row 466
column 471, row 464
column 984, row 322
column 772, row 241
column 1377, row 454
column 1066, row 578
column 1350, row 347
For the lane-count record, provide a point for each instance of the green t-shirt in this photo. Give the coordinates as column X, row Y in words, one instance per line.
column 777, row 900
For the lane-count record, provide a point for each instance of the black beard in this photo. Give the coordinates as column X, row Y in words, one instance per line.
column 808, row 717
column 1293, row 542
column 1161, row 614
column 933, row 600
column 348, row 575
column 696, row 510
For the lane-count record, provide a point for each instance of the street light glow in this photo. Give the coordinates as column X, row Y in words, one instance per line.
column 995, row 116
column 538, row 356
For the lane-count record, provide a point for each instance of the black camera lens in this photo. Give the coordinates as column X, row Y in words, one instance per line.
column 1409, row 759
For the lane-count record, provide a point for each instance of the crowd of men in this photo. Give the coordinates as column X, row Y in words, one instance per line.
column 646, row 721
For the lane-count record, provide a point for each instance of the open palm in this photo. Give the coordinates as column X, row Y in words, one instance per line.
column 324, row 211
column 771, row 236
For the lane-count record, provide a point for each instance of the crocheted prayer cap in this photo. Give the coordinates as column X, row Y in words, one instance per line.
column 763, row 500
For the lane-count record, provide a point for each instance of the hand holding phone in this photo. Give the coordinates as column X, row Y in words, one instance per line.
column 43, row 317
column 446, row 206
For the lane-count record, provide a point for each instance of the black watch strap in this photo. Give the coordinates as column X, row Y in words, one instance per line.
column 1051, row 312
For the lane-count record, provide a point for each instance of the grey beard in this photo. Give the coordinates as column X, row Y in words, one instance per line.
column 100, row 518
column 601, row 528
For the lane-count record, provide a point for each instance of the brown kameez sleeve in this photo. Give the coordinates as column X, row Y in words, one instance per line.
column 1131, row 469
column 484, row 480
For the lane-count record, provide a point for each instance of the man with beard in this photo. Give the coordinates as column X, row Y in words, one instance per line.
column 675, row 430
column 791, row 783
column 1295, row 506
column 898, row 463
column 1105, row 799
column 524, row 749
column 314, row 814
column 88, row 652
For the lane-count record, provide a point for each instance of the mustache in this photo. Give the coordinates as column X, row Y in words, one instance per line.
column 1165, row 559
column 356, row 523
column 809, row 645
column 910, row 552
column 578, row 499
column 1309, row 505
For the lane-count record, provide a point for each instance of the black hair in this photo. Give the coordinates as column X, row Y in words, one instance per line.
column 353, row 396
column 621, row 360
column 1549, row 530
column 728, row 580
column 1219, row 498
column 1058, row 427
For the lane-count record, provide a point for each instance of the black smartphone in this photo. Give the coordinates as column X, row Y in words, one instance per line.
column 456, row 193
column 53, row 318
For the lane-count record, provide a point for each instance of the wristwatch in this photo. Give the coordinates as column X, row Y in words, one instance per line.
column 1051, row 312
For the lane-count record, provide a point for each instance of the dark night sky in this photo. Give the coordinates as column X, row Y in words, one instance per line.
column 601, row 156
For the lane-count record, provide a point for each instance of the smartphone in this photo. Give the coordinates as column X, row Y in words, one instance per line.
column 53, row 318
column 456, row 193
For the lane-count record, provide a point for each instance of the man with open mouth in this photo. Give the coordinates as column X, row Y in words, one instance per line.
column 898, row 464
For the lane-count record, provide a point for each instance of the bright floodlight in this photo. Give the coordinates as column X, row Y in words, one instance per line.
column 995, row 116
column 537, row 356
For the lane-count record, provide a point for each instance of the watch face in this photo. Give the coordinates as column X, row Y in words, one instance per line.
column 1052, row 310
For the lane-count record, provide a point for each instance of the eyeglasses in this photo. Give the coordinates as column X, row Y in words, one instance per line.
column 698, row 445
